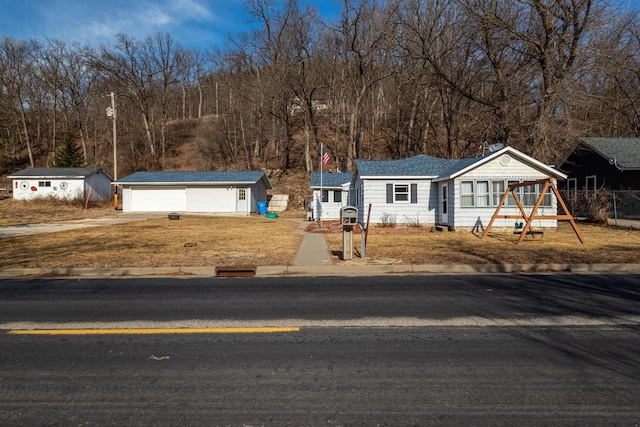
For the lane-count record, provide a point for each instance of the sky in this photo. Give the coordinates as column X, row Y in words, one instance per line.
column 193, row 23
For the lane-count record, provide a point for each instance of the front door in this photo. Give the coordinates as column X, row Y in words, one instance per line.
column 444, row 204
column 241, row 200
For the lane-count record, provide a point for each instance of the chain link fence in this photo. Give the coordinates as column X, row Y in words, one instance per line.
column 602, row 204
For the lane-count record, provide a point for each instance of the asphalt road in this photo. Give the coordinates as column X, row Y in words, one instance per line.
column 410, row 350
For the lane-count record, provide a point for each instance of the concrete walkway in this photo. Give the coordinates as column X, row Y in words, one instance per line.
column 313, row 250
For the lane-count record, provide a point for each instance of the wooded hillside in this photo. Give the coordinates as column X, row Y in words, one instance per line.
column 387, row 79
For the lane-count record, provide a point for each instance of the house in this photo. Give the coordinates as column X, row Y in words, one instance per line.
column 593, row 163
column 330, row 193
column 456, row 194
column 214, row 191
column 61, row 183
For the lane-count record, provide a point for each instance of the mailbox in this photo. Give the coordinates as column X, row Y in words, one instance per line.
column 349, row 215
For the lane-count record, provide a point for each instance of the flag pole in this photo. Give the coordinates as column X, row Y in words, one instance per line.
column 321, row 195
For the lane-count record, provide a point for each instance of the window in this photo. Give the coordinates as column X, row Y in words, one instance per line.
column 530, row 195
column 590, row 188
column 337, row 196
column 497, row 191
column 511, row 201
column 482, row 194
column 44, row 184
column 401, row 193
column 242, row 194
column 466, row 194
column 325, row 196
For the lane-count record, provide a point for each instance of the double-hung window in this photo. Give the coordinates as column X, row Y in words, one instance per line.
column 482, row 194
column 337, row 196
column 325, row 196
column 497, row 191
column 466, row 194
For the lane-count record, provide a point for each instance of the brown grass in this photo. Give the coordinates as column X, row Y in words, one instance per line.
column 191, row 241
column 47, row 210
column 603, row 244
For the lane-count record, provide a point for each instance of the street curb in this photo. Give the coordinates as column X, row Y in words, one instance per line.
column 335, row 270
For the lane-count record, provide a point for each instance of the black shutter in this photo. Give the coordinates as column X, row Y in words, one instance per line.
column 414, row 193
column 389, row 193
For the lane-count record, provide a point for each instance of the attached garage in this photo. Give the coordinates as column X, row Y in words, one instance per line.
column 214, row 192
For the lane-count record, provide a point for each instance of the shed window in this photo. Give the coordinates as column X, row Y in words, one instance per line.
column 44, row 184
column 337, row 196
column 242, row 194
column 325, row 196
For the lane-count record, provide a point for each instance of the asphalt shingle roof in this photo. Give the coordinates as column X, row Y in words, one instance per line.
column 174, row 177
column 626, row 151
column 330, row 179
column 421, row 165
column 55, row 173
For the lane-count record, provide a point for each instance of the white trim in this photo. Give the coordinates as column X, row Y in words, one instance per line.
column 507, row 150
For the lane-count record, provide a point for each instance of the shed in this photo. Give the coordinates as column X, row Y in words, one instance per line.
column 207, row 191
column 330, row 193
column 61, row 183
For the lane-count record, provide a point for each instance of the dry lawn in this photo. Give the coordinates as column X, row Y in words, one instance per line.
column 190, row 241
column 603, row 244
column 29, row 212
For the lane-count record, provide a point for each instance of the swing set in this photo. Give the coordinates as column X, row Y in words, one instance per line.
column 527, row 229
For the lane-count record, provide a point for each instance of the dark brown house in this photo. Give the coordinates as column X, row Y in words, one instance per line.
column 593, row 163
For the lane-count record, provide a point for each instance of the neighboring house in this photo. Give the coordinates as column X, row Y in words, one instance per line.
column 330, row 193
column 218, row 192
column 457, row 194
column 61, row 183
column 612, row 163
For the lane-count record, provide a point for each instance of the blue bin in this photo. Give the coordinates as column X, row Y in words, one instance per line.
column 262, row 208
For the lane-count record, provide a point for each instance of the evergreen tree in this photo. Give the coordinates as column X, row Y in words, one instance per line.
column 69, row 154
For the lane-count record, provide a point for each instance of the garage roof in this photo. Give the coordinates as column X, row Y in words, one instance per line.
column 67, row 173
column 205, row 177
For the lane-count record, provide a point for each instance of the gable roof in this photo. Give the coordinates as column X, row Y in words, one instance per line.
column 208, row 177
column 68, row 173
column 441, row 169
column 624, row 151
column 465, row 165
column 330, row 179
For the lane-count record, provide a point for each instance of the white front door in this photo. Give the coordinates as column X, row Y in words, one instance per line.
column 241, row 200
column 444, row 204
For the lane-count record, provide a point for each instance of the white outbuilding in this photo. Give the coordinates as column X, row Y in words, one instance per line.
column 225, row 192
column 61, row 183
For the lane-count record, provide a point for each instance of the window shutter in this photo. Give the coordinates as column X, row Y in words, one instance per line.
column 414, row 193
column 389, row 193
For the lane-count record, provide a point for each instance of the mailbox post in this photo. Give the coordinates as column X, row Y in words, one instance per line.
column 348, row 218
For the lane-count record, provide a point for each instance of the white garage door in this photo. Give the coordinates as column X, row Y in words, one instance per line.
column 158, row 199
column 211, row 199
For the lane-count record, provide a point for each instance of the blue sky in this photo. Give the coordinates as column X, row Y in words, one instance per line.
column 194, row 23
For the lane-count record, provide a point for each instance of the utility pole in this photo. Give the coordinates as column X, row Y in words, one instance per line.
column 111, row 112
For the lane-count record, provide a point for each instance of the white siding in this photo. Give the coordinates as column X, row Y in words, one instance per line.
column 331, row 209
column 96, row 187
column 375, row 193
column 478, row 217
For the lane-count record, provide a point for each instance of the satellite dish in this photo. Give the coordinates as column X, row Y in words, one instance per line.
column 495, row 147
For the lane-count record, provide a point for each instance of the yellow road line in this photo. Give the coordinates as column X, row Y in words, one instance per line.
column 151, row 331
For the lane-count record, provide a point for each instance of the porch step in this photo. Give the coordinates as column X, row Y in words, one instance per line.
column 444, row 228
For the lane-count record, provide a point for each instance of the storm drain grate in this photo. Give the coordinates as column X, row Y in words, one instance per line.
column 236, row 271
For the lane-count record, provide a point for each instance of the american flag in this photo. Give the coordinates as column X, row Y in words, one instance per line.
column 325, row 158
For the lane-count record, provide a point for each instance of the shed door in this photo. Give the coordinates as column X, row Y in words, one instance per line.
column 211, row 199
column 158, row 199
